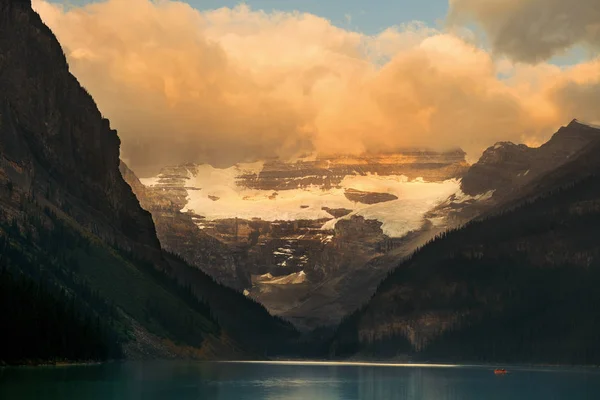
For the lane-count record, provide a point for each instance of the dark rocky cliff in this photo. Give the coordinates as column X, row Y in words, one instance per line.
column 179, row 234
column 71, row 224
column 55, row 142
column 506, row 173
column 506, row 167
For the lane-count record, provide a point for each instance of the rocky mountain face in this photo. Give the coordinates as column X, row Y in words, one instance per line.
column 506, row 171
column 300, row 237
column 330, row 171
column 70, row 224
column 55, row 142
column 518, row 286
column 179, row 233
column 506, row 167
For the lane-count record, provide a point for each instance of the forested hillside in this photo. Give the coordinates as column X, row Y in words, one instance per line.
column 520, row 286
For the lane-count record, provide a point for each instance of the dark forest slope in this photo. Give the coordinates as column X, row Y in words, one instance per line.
column 518, row 286
column 75, row 242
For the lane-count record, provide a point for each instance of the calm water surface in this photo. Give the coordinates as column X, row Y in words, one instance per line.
column 239, row 381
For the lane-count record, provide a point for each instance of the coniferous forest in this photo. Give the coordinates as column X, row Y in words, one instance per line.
column 43, row 323
column 519, row 286
column 51, row 313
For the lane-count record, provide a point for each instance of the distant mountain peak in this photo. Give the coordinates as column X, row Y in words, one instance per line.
column 587, row 124
column 502, row 152
column 506, row 146
column 498, row 145
column 506, row 166
column 576, row 135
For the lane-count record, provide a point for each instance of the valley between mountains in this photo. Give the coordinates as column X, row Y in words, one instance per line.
column 311, row 239
column 410, row 255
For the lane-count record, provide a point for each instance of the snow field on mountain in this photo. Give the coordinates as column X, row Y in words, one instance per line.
column 220, row 197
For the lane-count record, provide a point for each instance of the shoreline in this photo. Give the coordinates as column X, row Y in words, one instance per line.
column 31, row 364
column 314, row 362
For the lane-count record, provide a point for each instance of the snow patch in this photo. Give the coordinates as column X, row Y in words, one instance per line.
column 399, row 216
column 406, row 214
column 460, row 197
column 291, row 279
column 437, row 221
column 149, row 182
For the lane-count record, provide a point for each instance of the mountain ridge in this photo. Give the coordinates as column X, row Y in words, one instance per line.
column 501, row 175
column 515, row 285
column 520, row 163
column 70, row 225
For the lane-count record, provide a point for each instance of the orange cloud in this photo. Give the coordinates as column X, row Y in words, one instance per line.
column 234, row 85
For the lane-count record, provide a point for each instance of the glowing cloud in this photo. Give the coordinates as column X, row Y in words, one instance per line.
column 234, row 85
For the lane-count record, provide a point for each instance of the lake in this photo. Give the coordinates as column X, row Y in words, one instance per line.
column 286, row 381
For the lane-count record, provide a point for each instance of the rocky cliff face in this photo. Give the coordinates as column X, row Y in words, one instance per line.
column 331, row 171
column 178, row 232
column 505, row 167
column 507, row 173
column 55, row 143
column 70, row 222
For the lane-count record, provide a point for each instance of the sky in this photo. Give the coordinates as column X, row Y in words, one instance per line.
column 219, row 82
column 368, row 16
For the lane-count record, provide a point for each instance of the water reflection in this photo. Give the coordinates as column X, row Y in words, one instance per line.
column 224, row 381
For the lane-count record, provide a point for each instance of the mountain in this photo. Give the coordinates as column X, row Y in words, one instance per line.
column 311, row 239
column 519, row 284
column 328, row 172
column 506, row 167
column 82, row 273
column 581, row 164
column 505, row 172
column 177, row 231
column 308, row 239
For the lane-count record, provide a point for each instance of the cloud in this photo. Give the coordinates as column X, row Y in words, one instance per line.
column 532, row 30
column 578, row 92
column 233, row 85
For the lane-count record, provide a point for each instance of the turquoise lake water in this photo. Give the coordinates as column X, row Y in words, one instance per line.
column 286, row 381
